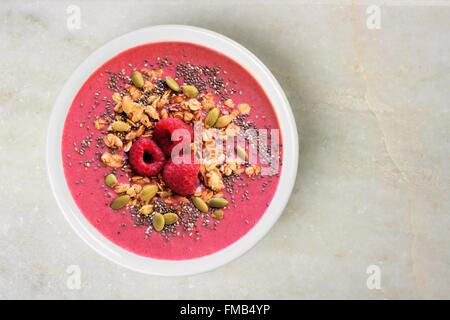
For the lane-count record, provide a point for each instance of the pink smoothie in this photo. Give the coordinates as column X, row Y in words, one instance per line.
column 85, row 174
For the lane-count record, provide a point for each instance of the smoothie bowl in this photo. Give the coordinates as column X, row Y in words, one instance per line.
column 172, row 150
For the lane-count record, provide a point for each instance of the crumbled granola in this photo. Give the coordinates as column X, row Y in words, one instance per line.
column 99, row 123
column 112, row 141
column 194, row 104
column 252, row 170
column 112, row 160
column 122, row 188
column 244, row 108
column 146, row 209
column 134, row 190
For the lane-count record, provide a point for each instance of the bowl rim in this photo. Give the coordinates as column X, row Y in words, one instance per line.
column 89, row 233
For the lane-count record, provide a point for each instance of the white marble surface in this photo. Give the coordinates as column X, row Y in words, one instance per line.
column 372, row 107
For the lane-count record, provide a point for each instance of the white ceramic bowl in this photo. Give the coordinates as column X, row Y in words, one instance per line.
column 157, row 34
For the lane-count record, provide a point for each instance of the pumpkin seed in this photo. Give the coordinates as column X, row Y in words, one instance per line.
column 148, row 192
column 212, row 117
column 120, row 202
column 110, row 180
column 190, row 91
column 170, row 218
column 223, row 121
column 200, row 204
column 241, row 153
column 120, row 126
column 158, row 222
column 137, row 79
column 217, row 214
column 172, row 84
column 218, row 202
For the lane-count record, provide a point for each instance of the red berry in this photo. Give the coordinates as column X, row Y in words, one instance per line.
column 146, row 157
column 163, row 133
column 182, row 178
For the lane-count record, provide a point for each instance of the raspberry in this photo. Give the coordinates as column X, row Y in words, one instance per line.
column 182, row 178
column 146, row 157
column 163, row 133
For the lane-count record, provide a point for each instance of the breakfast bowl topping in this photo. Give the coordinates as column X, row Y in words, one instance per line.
column 178, row 148
column 152, row 136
